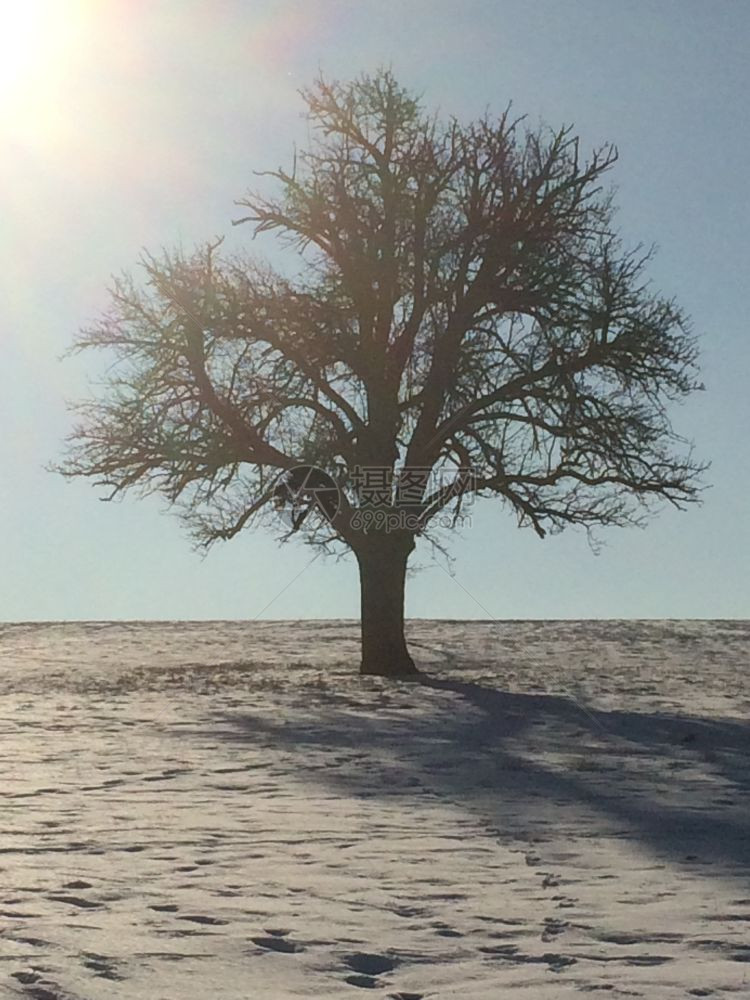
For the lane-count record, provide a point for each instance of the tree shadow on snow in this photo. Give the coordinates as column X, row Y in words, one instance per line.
column 527, row 762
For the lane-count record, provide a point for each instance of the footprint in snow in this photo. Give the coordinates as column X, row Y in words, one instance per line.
column 647, row 960
column 30, row 979
column 26, row 977
column 368, row 964
column 281, row 944
column 553, row 927
column 75, row 901
column 365, row 982
column 101, row 966
column 199, row 918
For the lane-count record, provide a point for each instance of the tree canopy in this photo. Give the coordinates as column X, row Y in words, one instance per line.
column 461, row 309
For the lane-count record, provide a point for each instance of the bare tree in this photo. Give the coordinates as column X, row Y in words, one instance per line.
column 461, row 320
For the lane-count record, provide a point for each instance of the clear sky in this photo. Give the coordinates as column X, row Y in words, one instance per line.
column 130, row 125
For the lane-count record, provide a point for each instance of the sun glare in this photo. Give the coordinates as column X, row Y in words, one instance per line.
column 21, row 30
column 36, row 40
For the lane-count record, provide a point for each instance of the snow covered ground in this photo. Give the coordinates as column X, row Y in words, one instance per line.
column 226, row 810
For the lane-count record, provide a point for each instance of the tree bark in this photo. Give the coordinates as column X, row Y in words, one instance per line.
column 382, row 559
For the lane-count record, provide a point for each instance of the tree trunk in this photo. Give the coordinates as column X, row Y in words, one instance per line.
column 382, row 562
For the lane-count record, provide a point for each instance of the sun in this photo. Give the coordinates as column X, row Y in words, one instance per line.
column 21, row 30
column 36, row 40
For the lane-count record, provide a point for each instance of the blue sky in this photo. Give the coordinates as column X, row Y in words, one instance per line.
column 136, row 125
